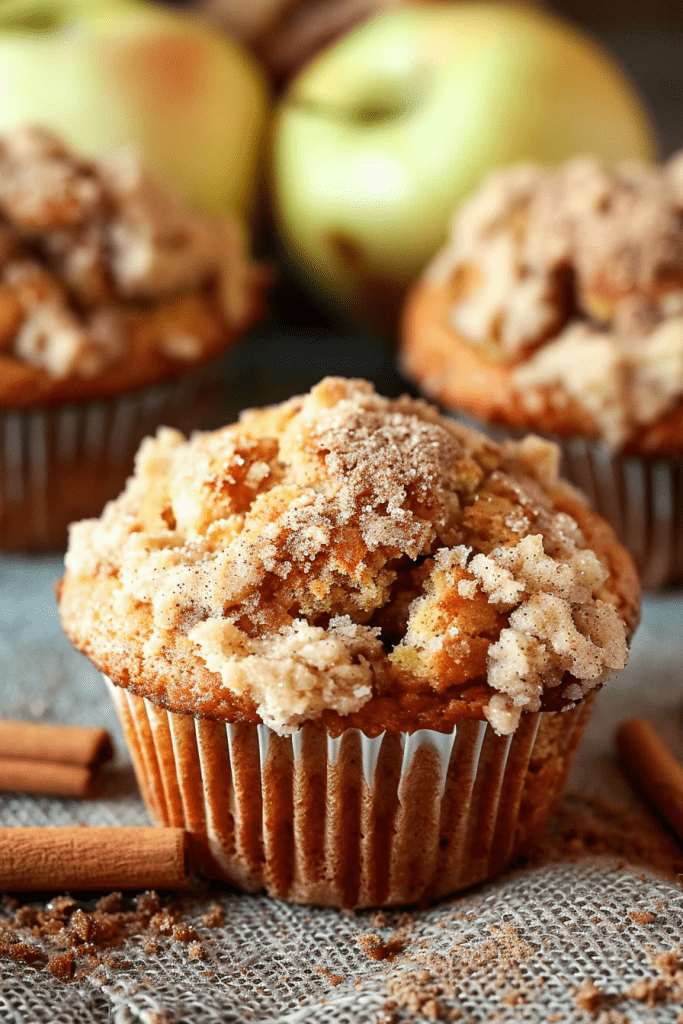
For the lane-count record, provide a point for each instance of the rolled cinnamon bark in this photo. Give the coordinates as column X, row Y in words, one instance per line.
column 66, row 744
column 81, row 858
column 18, row 775
column 647, row 761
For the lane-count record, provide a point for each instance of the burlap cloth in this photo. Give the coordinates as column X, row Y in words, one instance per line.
column 270, row 961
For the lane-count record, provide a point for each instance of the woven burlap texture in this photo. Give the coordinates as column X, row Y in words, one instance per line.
column 513, row 950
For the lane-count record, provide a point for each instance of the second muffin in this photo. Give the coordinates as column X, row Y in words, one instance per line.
column 557, row 306
column 353, row 645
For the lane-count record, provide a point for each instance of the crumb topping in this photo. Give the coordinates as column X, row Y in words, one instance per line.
column 343, row 546
column 85, row 245
column 574, row 277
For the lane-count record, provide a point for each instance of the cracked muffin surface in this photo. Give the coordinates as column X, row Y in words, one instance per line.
column 557, row 304
column 352, row 559
column 107, row 282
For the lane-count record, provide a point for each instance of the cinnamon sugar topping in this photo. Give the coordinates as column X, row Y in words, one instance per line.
column 575, row 277
column 341, row 547
column 86, row 245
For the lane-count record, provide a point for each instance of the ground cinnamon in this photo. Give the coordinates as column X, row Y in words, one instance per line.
column 81, row 858
column 648, row 763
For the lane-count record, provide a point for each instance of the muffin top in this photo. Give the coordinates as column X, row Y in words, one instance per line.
column 353, row 559
column 106, row 281
column 573, row 279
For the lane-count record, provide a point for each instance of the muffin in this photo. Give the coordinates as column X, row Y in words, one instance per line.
column 557, row 306
column 352, row 643
column 110, row 291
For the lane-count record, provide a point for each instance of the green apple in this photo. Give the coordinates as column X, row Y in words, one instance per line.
column 381, row 137
column 119, row 72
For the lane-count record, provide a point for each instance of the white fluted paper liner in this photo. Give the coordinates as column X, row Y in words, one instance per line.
column 63, row 463
column 350, row 821
column 642, row 499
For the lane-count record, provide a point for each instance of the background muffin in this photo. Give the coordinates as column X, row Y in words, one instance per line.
column 352, row 644
column 557, row 306
column 108, row 286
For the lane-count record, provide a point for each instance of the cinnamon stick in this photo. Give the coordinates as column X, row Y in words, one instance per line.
column 81, row 858
column 64, row 744
column 49, row 778
column 647, row 761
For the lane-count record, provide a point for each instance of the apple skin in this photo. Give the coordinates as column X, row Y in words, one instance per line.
column 119, row 73
column 382, row 136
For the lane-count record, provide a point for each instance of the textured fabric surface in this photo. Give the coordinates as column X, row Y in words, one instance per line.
column 271, row 961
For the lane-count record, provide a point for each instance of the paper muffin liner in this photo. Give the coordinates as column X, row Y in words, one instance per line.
column 351, row 821
column 63, row 463
column 642, row 499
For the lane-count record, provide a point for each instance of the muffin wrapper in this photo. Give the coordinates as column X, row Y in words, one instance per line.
column 350, row 821
column 642, row 499
column 63, row 463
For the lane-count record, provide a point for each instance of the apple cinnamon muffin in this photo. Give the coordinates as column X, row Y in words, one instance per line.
column 108, row 288
column 557, row 306
column 352, row 643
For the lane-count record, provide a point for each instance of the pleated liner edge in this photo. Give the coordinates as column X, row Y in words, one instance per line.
column 351, row 821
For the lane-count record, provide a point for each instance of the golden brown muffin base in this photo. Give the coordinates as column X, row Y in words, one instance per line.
column 178, row 679
column 298, row 818
column 450, row 370
column 28, row 387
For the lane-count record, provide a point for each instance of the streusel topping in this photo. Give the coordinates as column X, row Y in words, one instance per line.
column 85, row 244
column 574, row 277
column 343, row 546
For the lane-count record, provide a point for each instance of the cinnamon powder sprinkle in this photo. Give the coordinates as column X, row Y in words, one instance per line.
column 590, row 826
column 374, row 948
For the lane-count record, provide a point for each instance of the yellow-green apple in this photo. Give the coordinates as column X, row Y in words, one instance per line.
column 120, row 72
column 380, row 137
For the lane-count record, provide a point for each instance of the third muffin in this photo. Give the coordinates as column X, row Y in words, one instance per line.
column 557, row 306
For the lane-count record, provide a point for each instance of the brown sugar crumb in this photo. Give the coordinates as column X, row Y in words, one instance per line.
column 642, row 916
column 418, row 993
column 589, row 997
column 183, row 933
column 213, row 917
column 374, row 948
column 61, row 965
column 71, row 940
column 334, row 979
column 666, row 986
column 424, row 991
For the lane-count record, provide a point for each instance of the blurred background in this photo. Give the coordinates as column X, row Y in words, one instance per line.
column 646, row 40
